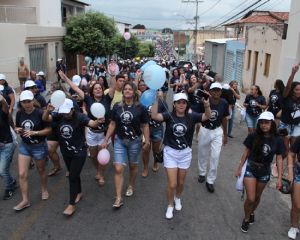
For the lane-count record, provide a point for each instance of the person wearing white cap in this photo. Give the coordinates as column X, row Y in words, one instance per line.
column 7, row 148
column 261, row 147
column 71, row 137
column 8, row 93
column 212, row 135
column 41, row 81
column 40, row 101
column 33, row 131
column 180, row 126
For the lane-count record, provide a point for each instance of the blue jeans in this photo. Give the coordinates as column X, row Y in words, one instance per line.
column 230, row 121
column 127, row 150
column 251, row 121
column 36, row 151
column 6, row 155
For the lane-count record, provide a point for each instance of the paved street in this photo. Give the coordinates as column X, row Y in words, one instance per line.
column 204, row 215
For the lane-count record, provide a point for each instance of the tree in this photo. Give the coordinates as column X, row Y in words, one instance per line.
column 126, row 49
column 91, row 34
column 146, row 49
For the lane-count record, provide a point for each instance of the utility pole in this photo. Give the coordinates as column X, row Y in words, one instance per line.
column 196, row 24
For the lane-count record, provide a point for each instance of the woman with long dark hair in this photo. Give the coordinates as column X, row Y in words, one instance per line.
column 275, row 99
column 129, row 119
column 95, row 136
column 180, row 126
column 261, row 147
column 236, row 95
column 254, row 103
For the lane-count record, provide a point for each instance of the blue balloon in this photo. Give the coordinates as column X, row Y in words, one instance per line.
column 147, row 64
column 154, row 77
column 148, row 97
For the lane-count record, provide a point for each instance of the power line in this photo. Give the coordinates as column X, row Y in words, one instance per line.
column 224, row 16
column 227, row 20
column 210, row 8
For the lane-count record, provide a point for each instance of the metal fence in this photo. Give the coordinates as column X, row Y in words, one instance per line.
column 15, row 14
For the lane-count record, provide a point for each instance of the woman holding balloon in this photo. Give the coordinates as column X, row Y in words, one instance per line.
column 71, row 136
column 180, row 126
column 95, row 136
column 129, row 119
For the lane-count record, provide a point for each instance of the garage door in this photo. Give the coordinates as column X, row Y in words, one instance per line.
column 38, row 57
column 229, row 69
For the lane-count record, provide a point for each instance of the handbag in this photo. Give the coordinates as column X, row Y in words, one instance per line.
column 159, row 157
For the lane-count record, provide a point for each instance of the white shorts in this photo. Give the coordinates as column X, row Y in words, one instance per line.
column 174, row 158
column 94, row 139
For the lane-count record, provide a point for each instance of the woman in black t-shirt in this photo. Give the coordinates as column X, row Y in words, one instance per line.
column 259, row 152
column 33, row 131
column 127, row 119
column 178, row 138
column 95, row 136
column 275, row 99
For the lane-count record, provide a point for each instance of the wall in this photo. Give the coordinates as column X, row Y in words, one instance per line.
column 49, row 13
column 220, row 53
column 15, row 45
column 290, row 53
column 264, row 40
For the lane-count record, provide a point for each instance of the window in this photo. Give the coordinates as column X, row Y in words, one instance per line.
column 249, row 60
column 267, row 64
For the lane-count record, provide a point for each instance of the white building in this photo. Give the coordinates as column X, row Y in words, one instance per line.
column 33, row 29
column 290, row 52
column 122, row 27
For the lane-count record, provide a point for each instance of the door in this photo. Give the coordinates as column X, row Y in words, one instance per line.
column 239, row 66
column 38, row 57
column 255, row 68
column 214, row 57
column 229, row 69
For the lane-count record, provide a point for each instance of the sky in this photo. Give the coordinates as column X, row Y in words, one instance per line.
column 176, row 14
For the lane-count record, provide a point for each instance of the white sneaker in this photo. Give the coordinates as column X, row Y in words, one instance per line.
column 177, row 202
column 292, row 233
column 169, row 213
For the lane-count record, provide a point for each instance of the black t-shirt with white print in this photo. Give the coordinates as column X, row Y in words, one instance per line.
column 180, row 130
column 290, row 111
column 106, row 102
column 271, row 146
column 31, row 122
column 128, row 120
column 218, row 112
column 252, row 108
column 275, row 103
column 71, row 133
column 162, row 107
column 5, row 134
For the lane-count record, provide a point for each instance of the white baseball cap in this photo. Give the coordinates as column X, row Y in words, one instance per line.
column 266, row 116
column 2, row 77
column 59, row 59
column 226, row 86
column 29, row 83
column 1, row 87
column 215, row 85
column 76, row 79
column 179, row 96
column 26, row 95
column 66, row 107
column 41, row 73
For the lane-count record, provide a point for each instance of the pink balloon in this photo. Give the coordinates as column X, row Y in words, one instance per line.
column 84, row 82
column 127, row 36
column 103, row 156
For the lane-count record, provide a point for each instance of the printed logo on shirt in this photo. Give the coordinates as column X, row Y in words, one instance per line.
column 66, row 131
column 126, row 117
column 252, row 103
column 274, row 98
column 266, row 149
column 214, row 115
column 179, row 129
column 27, row 125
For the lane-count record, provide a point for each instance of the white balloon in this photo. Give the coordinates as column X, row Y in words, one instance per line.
column 58, row 98
column 97, row 110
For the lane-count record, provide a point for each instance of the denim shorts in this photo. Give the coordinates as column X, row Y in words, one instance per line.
column 293, row 130
column 297, row 174
column 251, row 121
column 250, row 174
column 156, row 134
column 126, row 150
column 36, row 151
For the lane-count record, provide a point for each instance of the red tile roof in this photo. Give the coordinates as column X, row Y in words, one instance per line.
column 262, row 17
